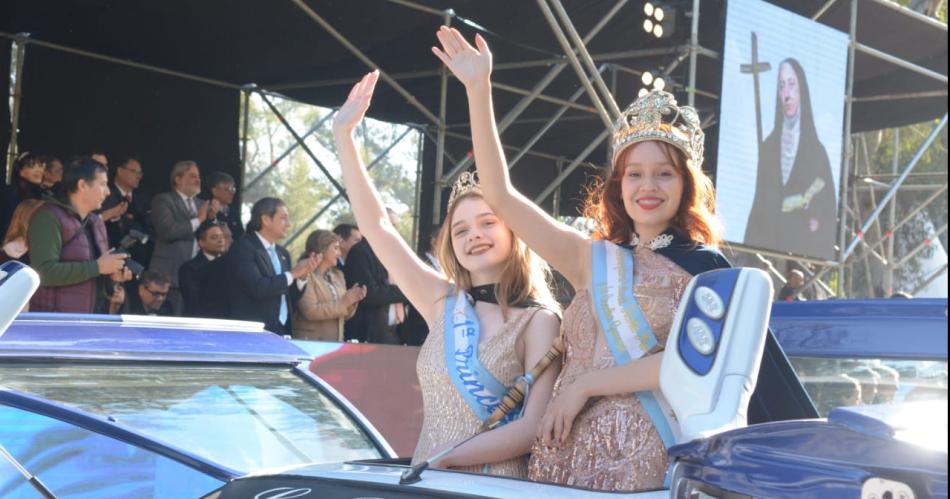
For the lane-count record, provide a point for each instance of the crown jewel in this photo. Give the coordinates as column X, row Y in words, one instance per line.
column 467, row 183
column 655, row 116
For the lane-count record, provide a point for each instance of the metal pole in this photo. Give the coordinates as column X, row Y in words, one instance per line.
column 920, row 247
column 366, row 60
column 440, row 183
column 417, row 205
column 933, row 277
column 244, row 128
column 910, row 216
column 339, row 196
column 544, row 129
column 824, row 8
column 585, row 57
column 777, row 254
column 896, row 184
column 693, row 45
column 124, row 62
column 535, row 93
column 571, row 167
column 289, row 150
column 12, row 150
column 848, row 146
column 299, row 139
column 897, row 61
column 892, row 218
column 909, row 95
column 566, row 46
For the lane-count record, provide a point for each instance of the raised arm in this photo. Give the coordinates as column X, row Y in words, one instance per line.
column 566, row 249
column 421, row 285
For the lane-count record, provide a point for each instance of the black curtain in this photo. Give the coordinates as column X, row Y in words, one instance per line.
column 5, row 46
column 75, row 105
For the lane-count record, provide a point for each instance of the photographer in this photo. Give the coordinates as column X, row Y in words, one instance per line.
column 69, row 247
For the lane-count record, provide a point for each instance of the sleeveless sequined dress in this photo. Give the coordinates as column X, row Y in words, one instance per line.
column 446, row 418
column 613, row 445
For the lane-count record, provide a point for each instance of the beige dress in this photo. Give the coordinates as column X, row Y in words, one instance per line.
column 320, row 312
column 613, row 445
column 446, row 418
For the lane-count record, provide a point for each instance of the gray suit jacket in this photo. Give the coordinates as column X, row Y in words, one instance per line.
column 174, row 236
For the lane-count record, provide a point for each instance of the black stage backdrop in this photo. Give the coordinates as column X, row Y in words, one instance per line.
column 5, row 45
column 74, row 105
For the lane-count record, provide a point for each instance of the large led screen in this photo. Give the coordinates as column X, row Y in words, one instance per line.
column 781, row 130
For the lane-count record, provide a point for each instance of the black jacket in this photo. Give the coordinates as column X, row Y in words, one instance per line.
column 136, row 217
column 233, row 220
column 191, row 280
column 254, row 289
column 372, row 314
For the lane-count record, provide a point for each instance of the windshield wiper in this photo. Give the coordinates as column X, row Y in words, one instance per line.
column 32, row 479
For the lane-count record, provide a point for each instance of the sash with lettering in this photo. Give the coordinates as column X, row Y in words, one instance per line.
column 477, row 386
column 625, row 328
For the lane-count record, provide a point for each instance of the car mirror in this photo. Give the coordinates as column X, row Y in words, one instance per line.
column 18, row 282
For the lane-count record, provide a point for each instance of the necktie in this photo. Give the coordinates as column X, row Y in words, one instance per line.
column 192, row 211
column 275, row 262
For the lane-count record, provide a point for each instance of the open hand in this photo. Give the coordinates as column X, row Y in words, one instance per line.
column 353, row 110
column 472, row 66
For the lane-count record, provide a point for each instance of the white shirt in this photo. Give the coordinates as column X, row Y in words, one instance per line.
column 210, row 257
column 193, row 208
column 268, row 246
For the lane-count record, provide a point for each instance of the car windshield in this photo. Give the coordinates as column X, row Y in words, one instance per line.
column 244, row 418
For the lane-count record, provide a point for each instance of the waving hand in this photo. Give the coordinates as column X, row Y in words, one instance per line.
column 353, row 110
column 471, row 65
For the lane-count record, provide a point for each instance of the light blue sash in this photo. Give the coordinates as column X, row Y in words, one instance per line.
column 624, row 326
column 477, row 386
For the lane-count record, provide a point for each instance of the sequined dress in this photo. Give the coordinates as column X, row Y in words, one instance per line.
column 446, row 418
column 613, row 444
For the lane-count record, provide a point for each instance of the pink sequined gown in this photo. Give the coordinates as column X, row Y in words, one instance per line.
column 613, row 445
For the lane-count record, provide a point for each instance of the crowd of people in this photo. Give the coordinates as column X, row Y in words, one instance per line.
column 101, row 245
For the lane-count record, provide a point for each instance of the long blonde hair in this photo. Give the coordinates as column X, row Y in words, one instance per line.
column 524, row 277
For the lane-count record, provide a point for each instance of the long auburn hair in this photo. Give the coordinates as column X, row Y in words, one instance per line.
column 525, row 275
column 695, row 216
column 20, row 222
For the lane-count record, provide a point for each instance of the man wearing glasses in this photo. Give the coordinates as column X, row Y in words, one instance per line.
column 127, row 208
column 149, row 297
column 223, row 190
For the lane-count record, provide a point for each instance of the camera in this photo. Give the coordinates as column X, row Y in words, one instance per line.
column 128, row 241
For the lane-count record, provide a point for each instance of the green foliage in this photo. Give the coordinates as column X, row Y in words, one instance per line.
column 298, row 180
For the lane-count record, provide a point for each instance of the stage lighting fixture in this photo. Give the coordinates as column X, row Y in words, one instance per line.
column 647, row 78
column 651, row 80
column 642, row 92
column 659, row 19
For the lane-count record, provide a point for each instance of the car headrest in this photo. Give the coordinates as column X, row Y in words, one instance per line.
column 714, row 350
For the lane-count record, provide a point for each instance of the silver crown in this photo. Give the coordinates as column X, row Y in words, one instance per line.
column 467, row 183
column 655, row 116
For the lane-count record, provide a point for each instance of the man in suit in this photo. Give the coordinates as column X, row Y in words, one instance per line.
column 382, row 310
column 175, row 216
column 222, row 189
column 262, row 286
column 192, row 275
column 127, row 209
column 349, row 236
column 148, row 297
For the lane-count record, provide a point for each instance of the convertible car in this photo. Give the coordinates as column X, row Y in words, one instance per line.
column 124, row 406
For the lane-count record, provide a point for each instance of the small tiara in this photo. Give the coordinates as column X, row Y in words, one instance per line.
column 467, row 183
column 655, row 116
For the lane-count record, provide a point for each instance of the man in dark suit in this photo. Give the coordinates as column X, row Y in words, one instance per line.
column 382, row 310
column 176, row 215
column 192, row 275
column 126, row 208
column 223, row 190
column 148, row 296
column 349, row 236
column 262, row 286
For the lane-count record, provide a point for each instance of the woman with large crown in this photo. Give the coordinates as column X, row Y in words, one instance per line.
column 491, row 315
column 607, row 426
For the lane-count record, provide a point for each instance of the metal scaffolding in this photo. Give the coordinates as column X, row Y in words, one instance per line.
column 593, row 71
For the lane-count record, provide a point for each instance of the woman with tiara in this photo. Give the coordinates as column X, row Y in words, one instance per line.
column 607, row 427
column 490, row 315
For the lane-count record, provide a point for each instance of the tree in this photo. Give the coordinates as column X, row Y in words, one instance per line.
column 298, row 181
